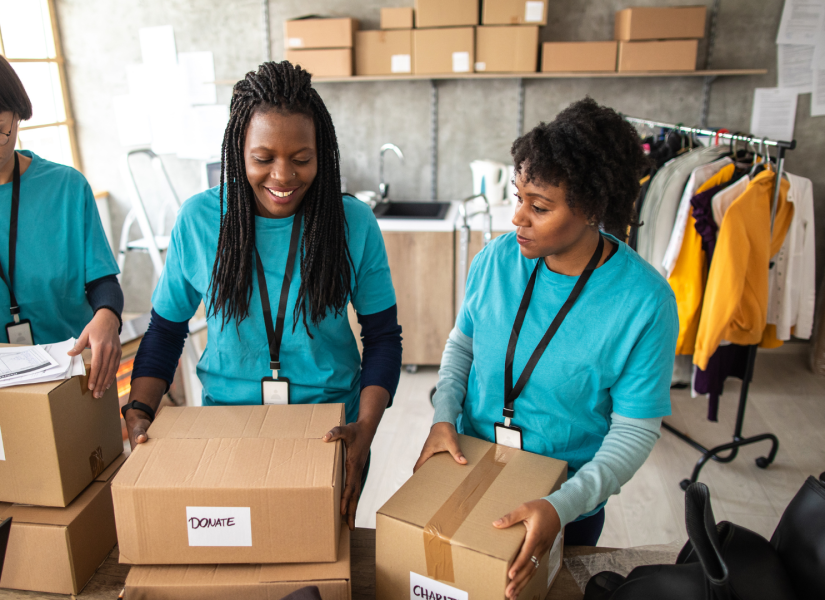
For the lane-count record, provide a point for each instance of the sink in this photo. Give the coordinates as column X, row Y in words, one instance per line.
column 412, row 210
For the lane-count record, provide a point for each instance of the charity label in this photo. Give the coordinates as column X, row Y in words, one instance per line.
column 400, row 63
column 219, row 525
column 429, row 589
column 461, row 62
column 533, row 12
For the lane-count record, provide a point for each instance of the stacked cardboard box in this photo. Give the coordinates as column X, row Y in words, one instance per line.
column 59, row 447
column 659, row 38
column 229, row 486
column 321, row 46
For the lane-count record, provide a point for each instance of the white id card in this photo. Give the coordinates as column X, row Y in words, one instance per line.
column 508, row 436
column 20, row 333
column 274, row 391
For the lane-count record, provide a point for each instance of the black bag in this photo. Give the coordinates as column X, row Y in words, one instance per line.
column 799, row 539
column 719, row 562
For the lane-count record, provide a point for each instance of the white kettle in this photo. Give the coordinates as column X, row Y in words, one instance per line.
column 490, row 179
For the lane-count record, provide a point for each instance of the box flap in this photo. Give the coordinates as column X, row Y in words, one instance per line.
column 110, row 471
column 310, row 421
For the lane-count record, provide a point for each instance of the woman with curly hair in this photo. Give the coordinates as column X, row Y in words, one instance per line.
column 564, row 344
column 276, row 252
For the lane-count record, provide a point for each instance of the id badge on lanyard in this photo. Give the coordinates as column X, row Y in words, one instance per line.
column 19, row 331
column 275, row 389
column 506, row 433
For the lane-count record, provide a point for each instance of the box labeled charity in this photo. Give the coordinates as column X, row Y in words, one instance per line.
column 436, row 535
column 233, row 484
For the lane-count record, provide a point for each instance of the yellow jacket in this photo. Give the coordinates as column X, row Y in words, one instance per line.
column 735, row 306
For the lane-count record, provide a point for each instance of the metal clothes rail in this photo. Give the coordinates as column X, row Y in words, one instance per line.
column 738, row 441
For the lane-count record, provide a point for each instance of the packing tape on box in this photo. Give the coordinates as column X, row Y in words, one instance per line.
column 446, row 521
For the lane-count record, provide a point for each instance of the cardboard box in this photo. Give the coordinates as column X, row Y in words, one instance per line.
column 320, row 33
column 443, row 51
column 436, row 535
column 336, row 62
column 57, row 550
column 670, row 55
column 397, row 18
column 508, row 49
column 445, row 13
column 55, row 438
column 383, row 52
column 252, row 582
column 514, row 12
column 572, row 57
column 660, row 23
column 233, row 484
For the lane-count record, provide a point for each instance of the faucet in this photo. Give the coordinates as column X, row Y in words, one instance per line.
column 384, row 188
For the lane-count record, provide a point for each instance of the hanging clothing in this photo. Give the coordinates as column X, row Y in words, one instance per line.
column 735, row 302
column 792, row 296
column 703, row 221
column 728, row 361
column 723, row 199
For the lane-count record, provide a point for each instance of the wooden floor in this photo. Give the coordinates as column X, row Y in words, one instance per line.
column 785, row 399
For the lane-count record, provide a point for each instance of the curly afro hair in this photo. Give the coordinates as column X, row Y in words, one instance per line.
column 595, row 153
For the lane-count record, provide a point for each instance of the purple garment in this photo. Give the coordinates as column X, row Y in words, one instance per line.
column 703, row 213
column 727, row 361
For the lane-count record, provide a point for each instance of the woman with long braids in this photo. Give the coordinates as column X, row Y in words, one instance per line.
column 276, row 253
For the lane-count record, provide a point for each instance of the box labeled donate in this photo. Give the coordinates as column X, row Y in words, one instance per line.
column 55, row 438
column 233, row 484
column 253, row 582
column 435, row 536
column 57, row 550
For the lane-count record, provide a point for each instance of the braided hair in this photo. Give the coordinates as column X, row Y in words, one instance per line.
column 325, row 259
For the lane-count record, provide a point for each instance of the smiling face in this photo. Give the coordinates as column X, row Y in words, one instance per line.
column 281, row 160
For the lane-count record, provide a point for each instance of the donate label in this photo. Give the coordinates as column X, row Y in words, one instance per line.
column 219, row 525
column 429, row 589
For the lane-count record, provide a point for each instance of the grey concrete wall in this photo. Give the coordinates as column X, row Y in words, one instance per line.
column 477, row 119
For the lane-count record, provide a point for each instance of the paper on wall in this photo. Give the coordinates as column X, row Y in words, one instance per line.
column 818, row 96
column 202, row 131
column 801, row 21
column 132, row 118
column 199, row 73
column 774, row 113
column 157, row 45
column 794, row 67
column 162, row 90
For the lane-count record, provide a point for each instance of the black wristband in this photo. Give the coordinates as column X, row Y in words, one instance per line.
column 119, row 318
column 138, row 406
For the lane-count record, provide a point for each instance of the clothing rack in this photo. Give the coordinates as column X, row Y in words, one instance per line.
column 738, row 441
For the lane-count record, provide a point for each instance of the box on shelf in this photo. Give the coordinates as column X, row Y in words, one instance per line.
column 233, row 484
column 397, row 18
column 577, row 57
column 218, row 582
column 319, row 33
column 443, row 51
column 383, row 52
column 55, row 438
column 666, row 55
column 57, row 550
column 514, row 12
column 507, row 49
column 660, row 23
column 331, row 62
column 445, row 13
column 436, row 533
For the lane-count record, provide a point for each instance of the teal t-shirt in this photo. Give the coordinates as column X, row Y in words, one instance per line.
column 61, row 246
column 613, row 352
column 325, row 368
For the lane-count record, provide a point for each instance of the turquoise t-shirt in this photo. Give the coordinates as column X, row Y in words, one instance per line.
column 61, row 246
column 613, row 352
column 323, row 369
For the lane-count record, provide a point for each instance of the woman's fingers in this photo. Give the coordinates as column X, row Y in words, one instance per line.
column 80, row 345
column 523, row 567
column 442, row 438
column 426, row 454
column 454, row 449
column 137, row 431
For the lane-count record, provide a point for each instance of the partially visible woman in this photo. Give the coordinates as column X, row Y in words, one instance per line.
column 59, row 277
column 565, row 342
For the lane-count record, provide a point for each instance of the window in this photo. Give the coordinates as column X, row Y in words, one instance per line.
column 29, row 40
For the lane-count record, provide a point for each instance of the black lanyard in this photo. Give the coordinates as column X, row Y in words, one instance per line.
column 274, row 334
column 510, row 392
column 15, row 205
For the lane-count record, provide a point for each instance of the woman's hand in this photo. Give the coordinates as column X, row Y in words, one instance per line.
column 543, row 525
column 357, row 438
column 443, row 438
column 137, row 422
column 102, row 337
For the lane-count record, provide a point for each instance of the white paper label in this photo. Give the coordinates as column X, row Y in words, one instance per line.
column 295, row 42
column 533, row 12
column 429, row 589
column 400, row 63
column 2, row 451
column 461, row 62
column 219, row 525
column 481, row 66
column 555, row 558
